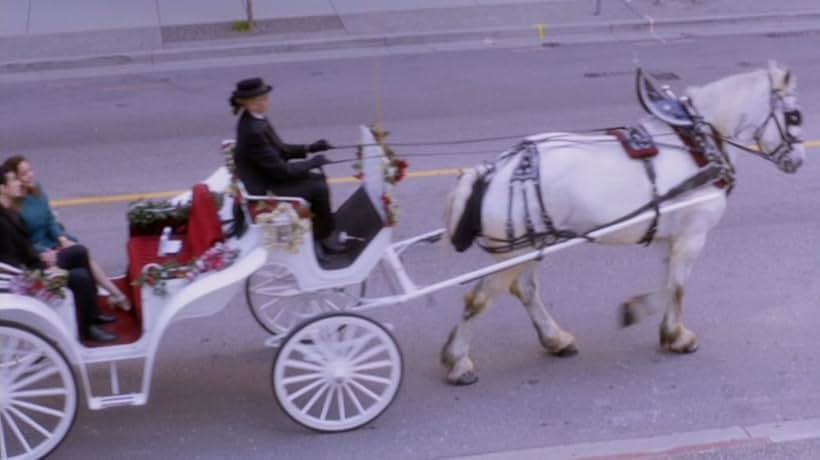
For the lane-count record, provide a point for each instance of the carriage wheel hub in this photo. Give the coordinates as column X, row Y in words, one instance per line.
column 338, row 371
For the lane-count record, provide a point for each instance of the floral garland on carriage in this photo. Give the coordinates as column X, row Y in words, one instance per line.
column 217, row 258
column 395, row 169
column 40, row 285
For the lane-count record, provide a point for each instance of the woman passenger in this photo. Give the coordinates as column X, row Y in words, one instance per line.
column 44, row 230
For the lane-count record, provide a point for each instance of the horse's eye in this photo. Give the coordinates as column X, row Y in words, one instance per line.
column 793, row 117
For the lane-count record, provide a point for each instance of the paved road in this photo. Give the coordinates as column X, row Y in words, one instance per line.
column 752, row 299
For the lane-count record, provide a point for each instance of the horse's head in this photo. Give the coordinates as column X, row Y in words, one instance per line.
column 778, row 122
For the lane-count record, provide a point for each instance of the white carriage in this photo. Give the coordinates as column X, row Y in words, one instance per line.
column 335, row 370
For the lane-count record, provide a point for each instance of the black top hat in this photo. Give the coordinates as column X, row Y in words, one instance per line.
column 250, row 87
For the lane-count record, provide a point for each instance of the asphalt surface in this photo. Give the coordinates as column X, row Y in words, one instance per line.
column 752, row 298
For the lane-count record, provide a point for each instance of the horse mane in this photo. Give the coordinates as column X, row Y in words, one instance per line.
column 720, row 101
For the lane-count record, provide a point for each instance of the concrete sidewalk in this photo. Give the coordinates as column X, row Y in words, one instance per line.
column 53, row 34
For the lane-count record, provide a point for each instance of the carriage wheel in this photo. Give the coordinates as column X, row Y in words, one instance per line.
column 337, row 372
column 278, row 313
column 38, row 403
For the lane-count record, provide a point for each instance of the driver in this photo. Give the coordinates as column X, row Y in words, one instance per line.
column 265, row 163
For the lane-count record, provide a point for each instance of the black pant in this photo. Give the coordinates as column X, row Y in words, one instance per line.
column 74, row 259
column 315, row 190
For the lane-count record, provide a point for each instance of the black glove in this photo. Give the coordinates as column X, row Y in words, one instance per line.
column 318, row 161
column 319, row 146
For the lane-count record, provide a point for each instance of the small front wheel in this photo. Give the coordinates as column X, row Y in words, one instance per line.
column 38, row 394
column 337, row 372
column 270, row 297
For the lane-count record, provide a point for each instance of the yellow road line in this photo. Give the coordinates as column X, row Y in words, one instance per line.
column 338, row 180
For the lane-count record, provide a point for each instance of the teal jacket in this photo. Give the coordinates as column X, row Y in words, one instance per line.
column 40, row 222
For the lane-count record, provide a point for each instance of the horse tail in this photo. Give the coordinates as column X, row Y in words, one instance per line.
column 462, row 214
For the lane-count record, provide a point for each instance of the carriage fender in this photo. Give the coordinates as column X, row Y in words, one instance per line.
column 211, row 293
column 44, row 319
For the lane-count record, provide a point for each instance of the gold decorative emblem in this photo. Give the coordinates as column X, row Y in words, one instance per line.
column 283, row 228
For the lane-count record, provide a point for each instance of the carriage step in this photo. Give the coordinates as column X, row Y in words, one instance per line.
column 104, row 402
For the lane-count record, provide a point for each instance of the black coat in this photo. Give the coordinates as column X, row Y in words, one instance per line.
column 261, row 158
column 15, row 245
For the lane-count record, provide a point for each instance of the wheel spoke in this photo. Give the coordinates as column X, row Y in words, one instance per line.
column 9, row 349
column 272, row 303
column 30, row 422
column 372, row 378
column 326, row 405
column 310, row 353
column 373, row 365
column 303, row 365
column 352, row 396
column 16, row 430
column 358, row 344
column 364, row 390
column 37, row 376
column 368, row 354
column 57, row 391
column 301, row 378
column 3, row 453
column 341, row 402
column 305, row 389
column 26, row 364
column 315, row 398
column 38, row 408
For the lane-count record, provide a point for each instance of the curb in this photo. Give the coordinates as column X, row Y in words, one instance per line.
column 778, row 24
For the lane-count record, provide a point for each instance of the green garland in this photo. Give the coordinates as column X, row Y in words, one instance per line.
column 148, row 213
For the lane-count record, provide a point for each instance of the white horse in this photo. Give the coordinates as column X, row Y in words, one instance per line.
column 587, row 181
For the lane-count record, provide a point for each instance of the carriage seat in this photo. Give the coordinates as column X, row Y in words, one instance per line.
column 257, row 204
column 254, row 205
column 203, row 230
column 659, row 101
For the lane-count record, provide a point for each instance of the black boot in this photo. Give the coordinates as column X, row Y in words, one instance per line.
column 331, row 245
column 97, row 334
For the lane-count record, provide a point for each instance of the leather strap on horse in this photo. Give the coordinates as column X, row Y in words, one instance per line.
column 527, row 179
column 704, row 154
column 649, row 236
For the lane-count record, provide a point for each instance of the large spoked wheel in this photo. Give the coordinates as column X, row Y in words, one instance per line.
column 270, row 297
column 337, row 372
column 38, row 397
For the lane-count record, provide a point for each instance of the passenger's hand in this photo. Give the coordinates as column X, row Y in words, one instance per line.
column 56, row 272
column 65, row 242
column 318, row 161
column 319, row 146
column 49, row 257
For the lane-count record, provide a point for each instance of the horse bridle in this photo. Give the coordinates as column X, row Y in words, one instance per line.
column 789, row 130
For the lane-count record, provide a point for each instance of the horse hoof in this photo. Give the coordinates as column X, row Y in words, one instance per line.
column 685, row 350
column 467, row 378
column 628, row 317
column 566, row 352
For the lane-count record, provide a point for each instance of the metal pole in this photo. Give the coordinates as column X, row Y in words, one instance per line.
column 249, row 8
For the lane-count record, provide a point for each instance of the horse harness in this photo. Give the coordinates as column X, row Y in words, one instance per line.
column 700, row 138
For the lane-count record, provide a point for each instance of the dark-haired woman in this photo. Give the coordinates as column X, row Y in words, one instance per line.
column 45, row 232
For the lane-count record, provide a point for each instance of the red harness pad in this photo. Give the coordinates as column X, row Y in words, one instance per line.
column 636, row 141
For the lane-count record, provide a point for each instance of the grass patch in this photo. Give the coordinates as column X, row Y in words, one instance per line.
column 241, row 26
